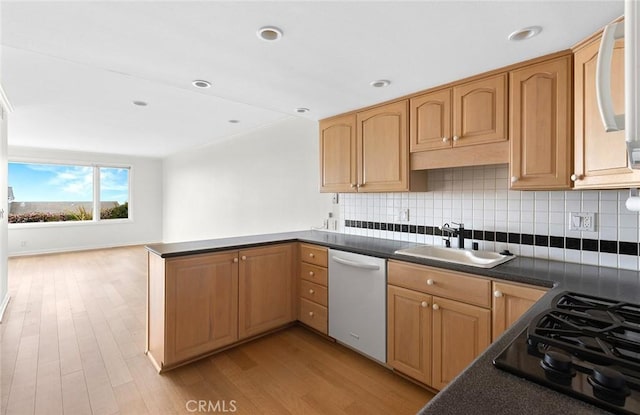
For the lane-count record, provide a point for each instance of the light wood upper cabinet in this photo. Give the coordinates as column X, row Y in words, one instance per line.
column 541, row 151
column 201, row 305
column 480, row 111
column 430, row 121
column 510, row 302
column 460, row 333
column 600, row 157
column 266, row 279
column 382, row 148
column 368, row 152
column 338, row 154
column 471, row 113
column 409, row 332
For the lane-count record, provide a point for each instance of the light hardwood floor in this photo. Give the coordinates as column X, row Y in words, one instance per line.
column 73, row 343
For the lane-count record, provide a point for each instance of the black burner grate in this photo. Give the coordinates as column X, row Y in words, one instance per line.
column 597, row 330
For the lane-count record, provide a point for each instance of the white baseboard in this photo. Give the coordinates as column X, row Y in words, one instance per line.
column 76, row 249
column 3, row 306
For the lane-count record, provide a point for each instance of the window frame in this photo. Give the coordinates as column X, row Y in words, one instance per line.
column 96, row 220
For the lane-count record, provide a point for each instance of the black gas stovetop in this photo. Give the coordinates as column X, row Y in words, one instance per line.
column 584, row 346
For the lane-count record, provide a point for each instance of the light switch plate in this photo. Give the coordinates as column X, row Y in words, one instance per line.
column 582, row 221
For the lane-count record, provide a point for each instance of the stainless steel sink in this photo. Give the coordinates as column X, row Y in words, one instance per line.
column 480, row 259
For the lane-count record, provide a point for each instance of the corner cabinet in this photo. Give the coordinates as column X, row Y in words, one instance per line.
column 266, row 278
column 375, row 159
column 197, row 304
column 540, row 131
column 600, row 158
column 510, row 302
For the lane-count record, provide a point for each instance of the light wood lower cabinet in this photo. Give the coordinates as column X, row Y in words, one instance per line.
column 201, row 305
column 197, row 304
column 460, row 333
column 265, row 289
column 510, row 302
column 409, row 335
column 429, row 337
column 313, row 284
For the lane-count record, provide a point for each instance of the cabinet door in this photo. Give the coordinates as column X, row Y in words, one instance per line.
column 338, row 154
column 201, row 304
column 460, row 333
column 480, row 111
column 266, row 289
column 600, row 157
column 510, row 302
column 430, row 121
column 383, row 153
column 409, row 332
column 541, row 125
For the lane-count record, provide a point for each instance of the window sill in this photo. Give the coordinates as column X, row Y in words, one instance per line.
column 104, row 222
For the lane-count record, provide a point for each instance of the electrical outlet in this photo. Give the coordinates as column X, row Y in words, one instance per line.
column 23, row 244
column 335, row 198
column 403, row 215
column 582, row 221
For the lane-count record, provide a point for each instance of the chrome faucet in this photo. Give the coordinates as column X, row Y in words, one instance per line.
column 459, row 232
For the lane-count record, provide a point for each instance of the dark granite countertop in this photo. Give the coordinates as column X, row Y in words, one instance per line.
column 481, row 388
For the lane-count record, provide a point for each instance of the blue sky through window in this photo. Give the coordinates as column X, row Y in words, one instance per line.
column 66, row 183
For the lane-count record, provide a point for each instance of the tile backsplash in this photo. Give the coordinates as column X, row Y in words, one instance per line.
column 528, row 223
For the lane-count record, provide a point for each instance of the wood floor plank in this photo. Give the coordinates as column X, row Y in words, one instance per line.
column 73, row 341
column 75, row 397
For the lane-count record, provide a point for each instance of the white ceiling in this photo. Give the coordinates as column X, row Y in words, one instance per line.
column 72, row 69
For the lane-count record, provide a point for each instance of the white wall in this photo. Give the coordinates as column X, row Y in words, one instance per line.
column 145, row 209
column 4, row 290
column 263, row 181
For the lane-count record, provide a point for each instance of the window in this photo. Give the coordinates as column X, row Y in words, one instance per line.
column 67, row 193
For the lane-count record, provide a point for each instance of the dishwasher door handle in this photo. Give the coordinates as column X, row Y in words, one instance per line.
column 355, row 264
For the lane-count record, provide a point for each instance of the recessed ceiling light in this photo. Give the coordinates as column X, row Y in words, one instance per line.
column 234, row 121
column 200, row 83
column 269, row 33
column 526, row 33
column 380, row 83
column 140, row 103
column 302, row 110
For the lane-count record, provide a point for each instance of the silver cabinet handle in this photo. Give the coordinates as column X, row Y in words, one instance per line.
column 456, row 138
column 355, row 264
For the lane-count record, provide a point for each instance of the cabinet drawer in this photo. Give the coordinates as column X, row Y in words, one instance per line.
column 313, row 315
column 313, row 292
column 448, row 284
column 313, row 254
column 313, row 273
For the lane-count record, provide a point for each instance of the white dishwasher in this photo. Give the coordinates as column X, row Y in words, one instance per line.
column 358, row 302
